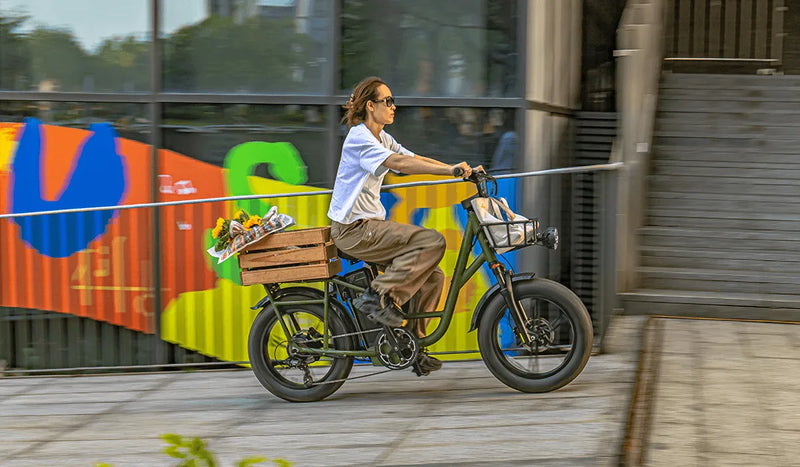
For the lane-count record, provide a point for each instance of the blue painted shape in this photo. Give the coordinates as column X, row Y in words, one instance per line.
column 388, row 200
column 98, row 179
column 418, row 216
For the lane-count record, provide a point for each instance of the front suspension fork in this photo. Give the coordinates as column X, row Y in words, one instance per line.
column 507, row 292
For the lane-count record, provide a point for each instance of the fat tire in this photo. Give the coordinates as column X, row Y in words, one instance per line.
column 341, row 367
column 567, row 301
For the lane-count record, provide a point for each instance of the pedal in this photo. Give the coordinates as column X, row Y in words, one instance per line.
column 418, row 370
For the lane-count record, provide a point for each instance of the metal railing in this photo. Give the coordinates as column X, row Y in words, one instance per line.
column 76, row 337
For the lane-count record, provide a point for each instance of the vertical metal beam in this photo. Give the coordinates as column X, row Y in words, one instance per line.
column 155, row 141
column 522, row 63
column 332, row 111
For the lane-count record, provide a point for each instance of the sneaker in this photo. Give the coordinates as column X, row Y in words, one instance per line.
column 379, row 308
column 425, row 364
column 369, row 297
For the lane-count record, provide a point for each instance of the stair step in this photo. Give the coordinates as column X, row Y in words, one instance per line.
column 789, row 119
column 755, row 261
column 730, row 143
column 741, row 209
column 731, row 199
column 726, row 214
column 757, row 174
column 691, row 129
column 712, row 304
column 683, row 154
column 718, row 281
column 711, row 105
column 694, row 184
column 689, row 222
column 719, row 239
column 659, row 163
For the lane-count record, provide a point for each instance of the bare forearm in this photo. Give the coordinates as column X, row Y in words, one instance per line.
column 417, row 165
column 433, row 161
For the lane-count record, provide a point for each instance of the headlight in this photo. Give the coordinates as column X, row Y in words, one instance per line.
column 548, row 238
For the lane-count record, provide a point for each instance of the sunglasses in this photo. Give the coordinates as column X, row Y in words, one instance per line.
column 389, row 101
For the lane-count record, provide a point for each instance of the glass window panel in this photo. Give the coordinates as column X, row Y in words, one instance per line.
column 129, row 120
column 264, row 46
column 71, row 155
column 208, row 133
column 460, row 48
column 75, row 46
column 488, row 137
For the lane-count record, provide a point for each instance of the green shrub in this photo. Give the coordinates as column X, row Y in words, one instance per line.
column 194, row 453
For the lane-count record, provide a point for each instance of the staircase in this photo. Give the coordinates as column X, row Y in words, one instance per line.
column 722, row 235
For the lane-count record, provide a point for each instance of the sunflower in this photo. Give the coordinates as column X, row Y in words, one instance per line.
column 252, row 221
column 218, row 229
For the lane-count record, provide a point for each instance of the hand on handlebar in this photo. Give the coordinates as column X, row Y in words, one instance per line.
column 462, row 169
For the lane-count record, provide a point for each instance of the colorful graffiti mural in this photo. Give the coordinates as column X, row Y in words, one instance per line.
column 99, row 265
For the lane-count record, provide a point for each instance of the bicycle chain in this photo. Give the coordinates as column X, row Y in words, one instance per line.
column 353, row 377
column 319, row 339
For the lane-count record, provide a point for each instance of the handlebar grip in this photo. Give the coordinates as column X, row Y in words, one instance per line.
column 458, row 171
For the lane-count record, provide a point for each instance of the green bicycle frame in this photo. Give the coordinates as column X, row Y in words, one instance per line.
column 461, row 275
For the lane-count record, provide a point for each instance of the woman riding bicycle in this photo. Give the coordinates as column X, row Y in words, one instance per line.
column 408, row 255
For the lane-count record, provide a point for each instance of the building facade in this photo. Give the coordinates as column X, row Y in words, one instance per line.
column 129, row 102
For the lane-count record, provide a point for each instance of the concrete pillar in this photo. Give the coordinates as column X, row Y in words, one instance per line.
column 553, row 79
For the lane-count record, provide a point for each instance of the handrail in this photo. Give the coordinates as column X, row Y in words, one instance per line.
column 564, row 170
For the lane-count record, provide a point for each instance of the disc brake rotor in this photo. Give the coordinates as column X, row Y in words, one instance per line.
column 542, row 333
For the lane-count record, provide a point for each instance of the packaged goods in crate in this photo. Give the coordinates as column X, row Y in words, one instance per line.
column 234, row 235
column 303, row 254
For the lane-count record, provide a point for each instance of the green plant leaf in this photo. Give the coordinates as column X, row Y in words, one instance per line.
column 198, row 446
column 173, row 451
column 248, row 461
column 282, row 463
column 172, row 438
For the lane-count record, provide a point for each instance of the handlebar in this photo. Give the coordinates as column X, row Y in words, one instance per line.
column 480, row 179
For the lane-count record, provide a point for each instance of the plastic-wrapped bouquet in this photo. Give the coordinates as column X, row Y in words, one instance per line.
column 233, row 235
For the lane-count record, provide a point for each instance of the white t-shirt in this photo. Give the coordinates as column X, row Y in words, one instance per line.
column 357, row 190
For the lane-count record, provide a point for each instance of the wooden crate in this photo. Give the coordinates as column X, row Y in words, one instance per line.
column 304, row 254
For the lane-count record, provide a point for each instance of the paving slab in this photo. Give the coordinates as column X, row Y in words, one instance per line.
column 724, row 393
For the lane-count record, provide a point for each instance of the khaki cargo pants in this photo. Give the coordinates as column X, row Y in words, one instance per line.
column 407, row 254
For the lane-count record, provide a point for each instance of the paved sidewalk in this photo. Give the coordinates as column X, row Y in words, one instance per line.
column 460, row 414
column 726, row 393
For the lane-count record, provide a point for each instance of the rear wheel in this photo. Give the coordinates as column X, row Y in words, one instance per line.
column 560, row 333
column 292, row 375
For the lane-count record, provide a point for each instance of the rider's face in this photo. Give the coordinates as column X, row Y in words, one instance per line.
column 381, row 108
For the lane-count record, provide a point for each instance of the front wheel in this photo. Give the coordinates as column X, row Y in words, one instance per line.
column 291, row 375
column 560, row 333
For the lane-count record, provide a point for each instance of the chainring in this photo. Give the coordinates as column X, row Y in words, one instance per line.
column 402, row 357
